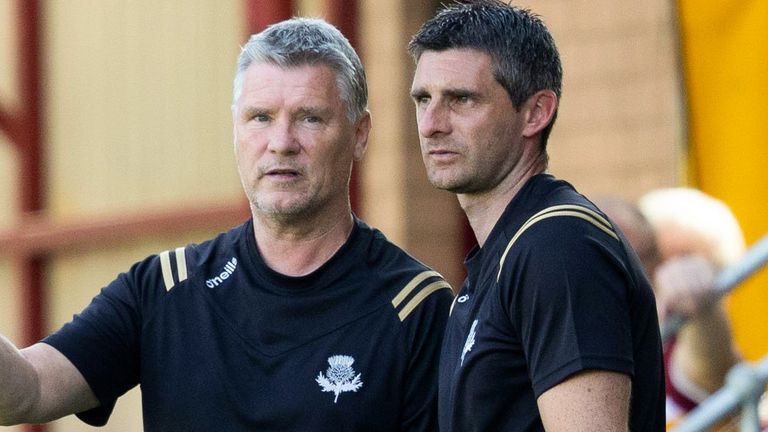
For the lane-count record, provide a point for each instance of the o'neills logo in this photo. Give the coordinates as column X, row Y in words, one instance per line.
column 229, row 268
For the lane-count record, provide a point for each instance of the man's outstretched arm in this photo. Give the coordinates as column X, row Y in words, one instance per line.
column 39, row 384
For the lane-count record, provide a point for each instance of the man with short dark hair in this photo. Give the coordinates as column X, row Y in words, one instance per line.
column 555, row 327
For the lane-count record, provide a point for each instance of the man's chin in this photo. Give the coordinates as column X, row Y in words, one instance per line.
column 446, row 184
column 282, row 209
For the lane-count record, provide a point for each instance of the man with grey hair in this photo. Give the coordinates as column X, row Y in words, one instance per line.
column 302, row 318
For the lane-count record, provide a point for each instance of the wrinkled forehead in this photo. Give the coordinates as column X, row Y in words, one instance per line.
column 318, row 80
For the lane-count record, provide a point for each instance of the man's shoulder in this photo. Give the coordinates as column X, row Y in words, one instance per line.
column 545, row 198
column 406, row 281
column 172, row 267
column 384, row 255
column 556, row 224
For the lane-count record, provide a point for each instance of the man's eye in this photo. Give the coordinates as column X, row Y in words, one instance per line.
column 260, row 118
column 422, row 100
column 315, row 120
column 463, row 99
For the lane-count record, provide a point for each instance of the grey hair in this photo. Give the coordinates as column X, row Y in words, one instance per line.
column 308, row 41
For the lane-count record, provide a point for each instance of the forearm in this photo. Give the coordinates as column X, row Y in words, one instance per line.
column 705, row 350
column 19, row 385
column 39, row 384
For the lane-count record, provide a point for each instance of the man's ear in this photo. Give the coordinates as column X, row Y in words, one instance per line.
column 361, row 136
column 541, row 107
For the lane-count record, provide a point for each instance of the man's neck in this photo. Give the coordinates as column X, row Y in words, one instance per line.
column 297, row 248
column 483, row 210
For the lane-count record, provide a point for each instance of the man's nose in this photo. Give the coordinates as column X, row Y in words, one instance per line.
column 283, row 139
column 433, row 119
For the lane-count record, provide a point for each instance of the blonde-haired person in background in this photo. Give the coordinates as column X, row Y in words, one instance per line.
column 684, row 238
column 697, row 236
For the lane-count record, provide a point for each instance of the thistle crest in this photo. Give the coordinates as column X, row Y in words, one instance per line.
column 470, row 342
column 340, row 376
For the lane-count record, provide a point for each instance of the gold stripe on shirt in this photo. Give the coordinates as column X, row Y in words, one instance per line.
column 181, row 264
column 165, row 265
column 421, row 277
column 453, row 303
column 418, row 298
column 554, row 211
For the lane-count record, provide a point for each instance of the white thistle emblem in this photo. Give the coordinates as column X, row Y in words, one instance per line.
column 470, row 342
column 340, row 376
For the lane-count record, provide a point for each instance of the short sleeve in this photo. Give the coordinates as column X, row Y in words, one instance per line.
column 102, row 341
column 567, row 294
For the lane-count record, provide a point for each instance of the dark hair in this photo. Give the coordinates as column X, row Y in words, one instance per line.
column 523, row 52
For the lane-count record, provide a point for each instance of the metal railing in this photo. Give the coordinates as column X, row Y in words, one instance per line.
column 745, row 383
column 726, row 280
column 743, row 387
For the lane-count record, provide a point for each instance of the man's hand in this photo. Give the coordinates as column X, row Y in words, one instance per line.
column 684, row 285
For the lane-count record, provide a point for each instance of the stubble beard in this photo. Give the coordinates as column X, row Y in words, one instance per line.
column 450, row 179
column 281, row 210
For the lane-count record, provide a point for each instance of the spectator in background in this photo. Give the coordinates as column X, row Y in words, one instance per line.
column 684, row 238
